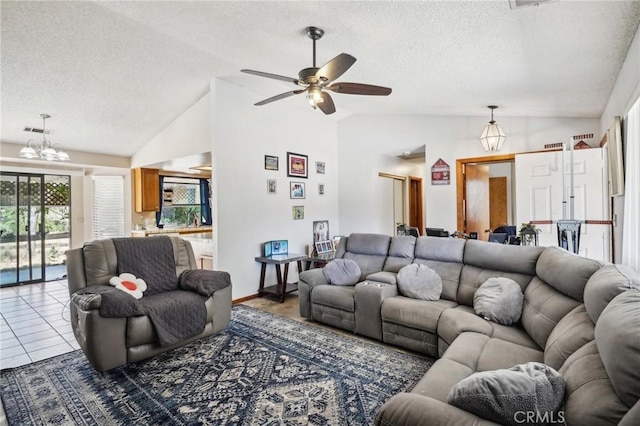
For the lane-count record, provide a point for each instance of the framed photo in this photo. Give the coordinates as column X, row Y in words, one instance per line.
column 297, row 165
column 321, row 189
column 270, row 162
column 296, row 190
column 320, row 230
column 323, row 247
column 298, row 212
column 272, row 186
column 320, row 167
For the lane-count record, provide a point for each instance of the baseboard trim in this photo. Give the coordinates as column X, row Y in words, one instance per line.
column 244, row 299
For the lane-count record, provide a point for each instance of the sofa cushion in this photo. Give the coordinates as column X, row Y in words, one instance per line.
column 566, row 271
column 339, row 297
column 368, row 263
column 544, row 307
column 419, row 282
column 499, row 300
column 500, row 395
column 419, row 314
column 383, row 277
column 401, row 252
column 605, row 284
column 440, row 249
column 374, row 244
column 572, row 332
column 590, row 399
column 449, row 273
column 342, row 272
column 472, row 277
column 501, row 257
column 618, row 340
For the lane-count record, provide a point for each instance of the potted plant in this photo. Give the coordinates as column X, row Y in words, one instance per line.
column 529, row 234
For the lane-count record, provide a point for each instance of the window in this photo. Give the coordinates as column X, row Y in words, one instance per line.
column 184, row 201
column 108, row 207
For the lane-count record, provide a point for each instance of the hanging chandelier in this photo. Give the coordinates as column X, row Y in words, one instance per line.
column 45, row 150
column 492, row 136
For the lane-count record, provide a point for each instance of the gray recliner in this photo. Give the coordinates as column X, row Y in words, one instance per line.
column 111, row 342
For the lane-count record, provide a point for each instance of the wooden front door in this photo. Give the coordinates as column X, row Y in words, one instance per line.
column 477, row 200
column 497, row 202
column 415, row 204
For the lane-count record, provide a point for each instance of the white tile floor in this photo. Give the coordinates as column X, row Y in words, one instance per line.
column 34, row 323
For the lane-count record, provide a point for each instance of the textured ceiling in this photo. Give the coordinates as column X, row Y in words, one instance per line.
column 113, row 74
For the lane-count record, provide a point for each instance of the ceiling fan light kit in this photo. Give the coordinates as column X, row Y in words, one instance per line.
column 492, row 136
column 317, row 81
column 44, row 151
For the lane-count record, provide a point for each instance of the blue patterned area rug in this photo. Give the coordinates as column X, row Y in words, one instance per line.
column 262, row 370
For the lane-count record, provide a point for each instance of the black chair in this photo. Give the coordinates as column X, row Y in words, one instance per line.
column 498, row 237
column 436, row 232
column 413, row 231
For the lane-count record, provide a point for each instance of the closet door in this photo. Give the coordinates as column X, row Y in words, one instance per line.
column 539, row 196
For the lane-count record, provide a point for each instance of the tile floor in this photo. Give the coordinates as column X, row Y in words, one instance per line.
column 34, row 323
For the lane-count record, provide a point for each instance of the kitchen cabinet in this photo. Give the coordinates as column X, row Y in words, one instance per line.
column 147, row 190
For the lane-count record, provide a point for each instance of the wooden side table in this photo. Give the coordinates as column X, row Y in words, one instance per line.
column 283, row 287
column 319, row 260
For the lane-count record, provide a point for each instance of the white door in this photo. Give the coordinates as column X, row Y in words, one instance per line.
column 539, row 196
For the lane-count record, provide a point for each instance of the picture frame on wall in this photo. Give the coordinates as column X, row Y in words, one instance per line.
column 298, row 212
column 272, row 186
column 320, row 230
column 320, row 167
column 270, row 162
column 297, row 190
column 297, row 165
column 321, row 189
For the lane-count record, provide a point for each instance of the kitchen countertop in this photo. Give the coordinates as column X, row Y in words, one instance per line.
column 181, row 231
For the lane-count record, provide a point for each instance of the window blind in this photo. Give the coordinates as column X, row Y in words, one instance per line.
column 108, row 207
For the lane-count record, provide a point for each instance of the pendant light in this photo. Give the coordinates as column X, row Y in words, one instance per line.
column 492, row 136
column 44, row 151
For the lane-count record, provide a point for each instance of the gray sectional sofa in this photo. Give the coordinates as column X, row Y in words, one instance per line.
column 562, row 322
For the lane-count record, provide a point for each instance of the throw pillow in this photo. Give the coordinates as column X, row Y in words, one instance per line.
column 418, row 281
column 342, row 272
column 499, row 300
column 129, row 284
column 508, row 396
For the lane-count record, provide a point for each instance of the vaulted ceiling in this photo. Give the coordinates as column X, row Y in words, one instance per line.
column 114, row 74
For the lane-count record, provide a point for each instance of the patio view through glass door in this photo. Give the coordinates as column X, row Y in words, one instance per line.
column 34, row 227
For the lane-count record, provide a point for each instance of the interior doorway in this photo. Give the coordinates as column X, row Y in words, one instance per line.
column 481, row 204
column 397, row 190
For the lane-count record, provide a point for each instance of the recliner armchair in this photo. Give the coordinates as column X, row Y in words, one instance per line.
column 110, row 342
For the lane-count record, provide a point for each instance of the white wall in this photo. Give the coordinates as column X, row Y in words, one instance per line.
column 365, row 142
column 244, row 215
column 627, row 87
column 188, row 134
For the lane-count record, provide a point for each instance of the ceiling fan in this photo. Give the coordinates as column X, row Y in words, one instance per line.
column 317, row 81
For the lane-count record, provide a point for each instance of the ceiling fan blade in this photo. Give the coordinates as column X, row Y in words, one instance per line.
column 327, row 106
column 274, row 76
column 336, row 67
column 280, row 96
column 359, row 89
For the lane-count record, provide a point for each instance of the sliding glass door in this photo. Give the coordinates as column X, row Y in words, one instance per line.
column 34, row 227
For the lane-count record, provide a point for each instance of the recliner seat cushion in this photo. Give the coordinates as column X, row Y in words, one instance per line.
column 500, row 395
column 419, row 282
column 499, row 300
column 342, row 272
column 418, row 314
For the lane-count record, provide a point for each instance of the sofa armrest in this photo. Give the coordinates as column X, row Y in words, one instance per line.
column 412, row 409
column 306, row 281
column 369, row 296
